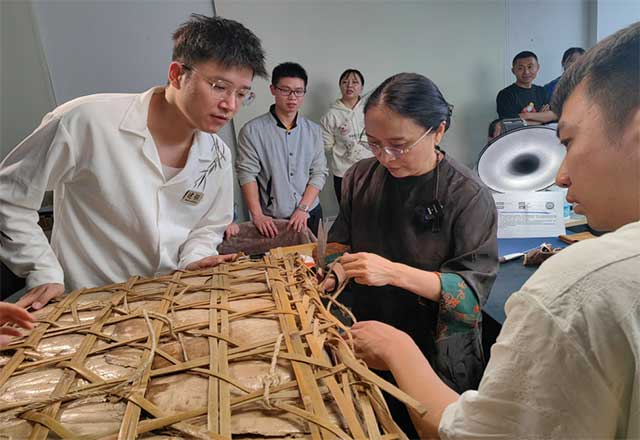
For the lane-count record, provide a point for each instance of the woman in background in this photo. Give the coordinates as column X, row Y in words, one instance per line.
column 342, row 126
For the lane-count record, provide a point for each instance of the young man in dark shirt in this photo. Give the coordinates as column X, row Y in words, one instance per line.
column 523, row 99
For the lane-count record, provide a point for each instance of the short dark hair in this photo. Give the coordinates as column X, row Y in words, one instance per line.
column 524, row 54
column 288, row 70
column 413, row 96
column 569, row 53
column 492, row 127
column 610, row 70
column 348, row 72
column 225, row 41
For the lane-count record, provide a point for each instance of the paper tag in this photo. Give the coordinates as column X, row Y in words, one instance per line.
column 192, row 197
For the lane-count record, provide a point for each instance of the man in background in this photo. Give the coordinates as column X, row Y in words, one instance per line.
column 523, row 99
column 281, row 163
column 569, row 57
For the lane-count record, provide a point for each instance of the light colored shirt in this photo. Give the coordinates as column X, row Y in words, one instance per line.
column 567, row 362
column 342, row 128
column 170, row 172
column 281, row 161
column 115, row 213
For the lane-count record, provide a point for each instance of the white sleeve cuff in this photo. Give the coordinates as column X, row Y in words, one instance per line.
column 40, row 277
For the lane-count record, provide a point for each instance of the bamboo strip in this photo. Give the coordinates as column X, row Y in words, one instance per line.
column 49, row 423
column 316, row 345
column 373, row 431
column 213, row 408
column 41, row 431
column 311, row 397
column 223, row 359
column 132, row 412
column 35, row 336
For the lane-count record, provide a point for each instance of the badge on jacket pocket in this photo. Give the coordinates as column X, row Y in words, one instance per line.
column 192, row 197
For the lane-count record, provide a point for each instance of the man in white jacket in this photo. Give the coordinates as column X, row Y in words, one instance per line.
column 142, row 184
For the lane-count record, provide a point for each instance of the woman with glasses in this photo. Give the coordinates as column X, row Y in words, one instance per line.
column 422, row 231
column 342, row 126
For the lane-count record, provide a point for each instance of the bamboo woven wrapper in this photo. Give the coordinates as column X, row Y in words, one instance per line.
column 241, row 350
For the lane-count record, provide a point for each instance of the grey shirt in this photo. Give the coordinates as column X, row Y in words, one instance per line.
column 282, row 162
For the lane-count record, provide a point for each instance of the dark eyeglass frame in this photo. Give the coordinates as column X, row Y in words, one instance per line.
column 298, row 93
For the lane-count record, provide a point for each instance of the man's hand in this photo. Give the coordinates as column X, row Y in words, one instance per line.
column 232, row 230
column 375, row 342
column 13, row 314
column 368, row 269
column 265, row 225
column 41, row 295
column 298, row 221
column 211, row 261
column 545, row 108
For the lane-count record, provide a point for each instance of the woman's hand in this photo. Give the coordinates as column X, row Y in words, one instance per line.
column 369, row 269
column 376, row 343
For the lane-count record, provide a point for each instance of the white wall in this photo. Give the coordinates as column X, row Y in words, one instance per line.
column 613, row 15
column 98, row 46
column 547, row 28
column 458, row 44
column 25, row 88
column 55, row 50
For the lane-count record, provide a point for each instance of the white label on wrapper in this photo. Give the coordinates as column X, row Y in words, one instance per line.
column 530, row 214
column 192, row 197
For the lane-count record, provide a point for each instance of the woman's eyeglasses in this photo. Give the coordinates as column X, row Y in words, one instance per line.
column 394, row 152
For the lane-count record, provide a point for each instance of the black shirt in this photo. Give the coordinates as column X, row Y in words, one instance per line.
column 513, row 99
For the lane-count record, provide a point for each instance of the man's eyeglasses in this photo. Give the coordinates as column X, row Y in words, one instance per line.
column 394, row 152
column 286, row 91
column 221, row 88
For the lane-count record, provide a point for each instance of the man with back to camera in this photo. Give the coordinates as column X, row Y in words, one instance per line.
column 142, row 184
column 281, row 164
column 569, row 57
column 523, row 99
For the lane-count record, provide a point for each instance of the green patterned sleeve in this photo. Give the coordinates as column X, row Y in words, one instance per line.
column 459, row 307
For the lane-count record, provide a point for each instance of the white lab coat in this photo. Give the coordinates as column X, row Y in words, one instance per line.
column 115, row 215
